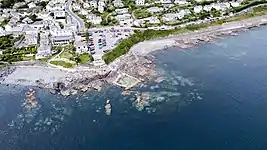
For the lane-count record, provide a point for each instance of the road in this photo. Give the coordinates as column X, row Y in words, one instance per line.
column 79, row 21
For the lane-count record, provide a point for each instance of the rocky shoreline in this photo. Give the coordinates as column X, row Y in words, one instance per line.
column 138, row 63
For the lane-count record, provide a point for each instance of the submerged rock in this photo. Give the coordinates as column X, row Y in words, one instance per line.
column 108, row 108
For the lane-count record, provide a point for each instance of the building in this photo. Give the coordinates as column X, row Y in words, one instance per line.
column 125, row 19
column 165, row 1
column 93, row 4
column 235, row 4
column 181, row 2
column 198, row 9
column 122, row 11
column 31, row 5
column 94, row 19
column 207, row 8
column 44, row 49
column 81, row 47
column 118, row 3
column 59, row 14
column 155, row 9
column 101, row 3
column 140, row 2
column 100, row 9
column 61, row 36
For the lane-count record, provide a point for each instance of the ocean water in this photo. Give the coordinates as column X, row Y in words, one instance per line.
column 212, row 97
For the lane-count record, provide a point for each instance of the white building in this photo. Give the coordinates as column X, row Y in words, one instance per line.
column 86, row 5
column 140, row 2
column 94, row 19
column 81, row 47
column 234, row 4
column 125, row 19
column 100, row 9
column 155, row 9
column 207, row 8
column 118, row 3
column 101, row 3
column 198, row 9
column 121, row 11
column 181, row 2
column 93, row 4
column 31, row 5
column 165, row 1
column 59, row 14
column 61, row 36
column 76, row 7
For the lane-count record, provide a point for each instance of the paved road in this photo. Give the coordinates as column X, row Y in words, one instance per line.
column 79, row 21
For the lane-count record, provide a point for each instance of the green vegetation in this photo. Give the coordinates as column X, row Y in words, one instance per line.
column 12, row 54
column 63, row 64
column 251, row 4
column 140, row 36
column 68, row 52
column 109, row 21
column 141, row 13
column 9, row 3
column 42, row 4
column 84, row 58
column 5, row 22
column 7, row 41
column 34, row 18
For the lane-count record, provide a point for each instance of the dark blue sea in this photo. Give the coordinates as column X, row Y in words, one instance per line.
column 212, row 97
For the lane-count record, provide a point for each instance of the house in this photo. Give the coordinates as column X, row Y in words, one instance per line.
column 122, row 11
column 224, row 6
column 100, row 9
column 166, row 2
column 76, row 7
column 83, row 12
column 60, row 36
column 198, row 9
column 57, row 1
column 27, row 21
column 152, row 20
column 93, row 4
column 101, row 3
column 155, row 9
column 181, row 2
column 216, row 6
column 124, row 19
column 31, row 5
column 55, row 7
column 18, row 5
column 207, row 8
column 86, row 5
column 169, row 17
column 140, row 2
column 59, row 14
column 44, row 49
column 118, row 3
column 94, row 19
column 235, row 4
column 81, row 47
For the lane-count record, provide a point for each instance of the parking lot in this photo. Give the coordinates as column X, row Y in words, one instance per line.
column 102, row 41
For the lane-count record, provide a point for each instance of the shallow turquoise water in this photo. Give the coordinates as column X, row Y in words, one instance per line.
column 212, row 97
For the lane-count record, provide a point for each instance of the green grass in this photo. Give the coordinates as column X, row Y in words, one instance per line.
column 84, row 58
column 68, row 52
column 63, row 64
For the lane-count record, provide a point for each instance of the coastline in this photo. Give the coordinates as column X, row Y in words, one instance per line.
column 138, row 63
